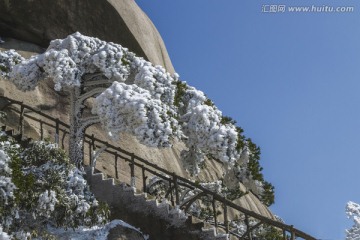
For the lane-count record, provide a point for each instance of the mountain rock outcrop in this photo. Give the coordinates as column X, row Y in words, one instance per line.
column 121, row 22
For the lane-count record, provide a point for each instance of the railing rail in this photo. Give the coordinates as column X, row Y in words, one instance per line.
column 175, row 182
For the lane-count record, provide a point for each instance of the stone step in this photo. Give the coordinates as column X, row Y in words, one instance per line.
column 163, row 211
column 152, row 202
column 109, row 181
column 141, row 195
column 97, row 177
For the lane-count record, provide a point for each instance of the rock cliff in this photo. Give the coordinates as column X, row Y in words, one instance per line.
column 119, row 21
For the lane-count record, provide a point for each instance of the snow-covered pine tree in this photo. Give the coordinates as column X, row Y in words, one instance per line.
column 132, row 96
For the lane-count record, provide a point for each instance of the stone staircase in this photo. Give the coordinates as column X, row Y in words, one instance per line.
column 159, row 220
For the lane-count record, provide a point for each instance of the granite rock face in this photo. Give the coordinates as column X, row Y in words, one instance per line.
column 119, row 21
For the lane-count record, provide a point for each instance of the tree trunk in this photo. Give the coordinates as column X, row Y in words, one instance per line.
column 76, row 138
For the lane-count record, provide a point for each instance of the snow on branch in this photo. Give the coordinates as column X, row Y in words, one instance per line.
column 130, row 109
column 156, row 108
column 353, row 211
column 8, row 60
column 205, row 133
column 155, row 79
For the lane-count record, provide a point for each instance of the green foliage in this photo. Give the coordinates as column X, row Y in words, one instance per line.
column 124, row 61
column 101, row 210
column 254, row 161
column 254, row 168
column 227, row 120
column 270, row 233
column 207, row 213
column 41, row 153
column 4, row 69
column 49, row 190
column 181, row 88
column 180, row 91
column 268, row 196
column 24, row 194
column 209, row 103
column 241, row 139
column 233, row 194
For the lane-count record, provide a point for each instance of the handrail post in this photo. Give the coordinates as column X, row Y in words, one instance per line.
column 90, row 154
column 171, row 193
column 63, row 140
column 248, row 226
column 132, row 170
column 226, row 221
column 215, row 215
column 57, row 131
column 21, row 119
column 144, row 177
column 93, row 142
column 284, row 235
column 41, row 130
column 92, row 147
column 177, row 197
column 116, row 166
column 292, row 233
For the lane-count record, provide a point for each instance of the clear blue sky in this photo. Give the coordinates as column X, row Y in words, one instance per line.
column 292, row 81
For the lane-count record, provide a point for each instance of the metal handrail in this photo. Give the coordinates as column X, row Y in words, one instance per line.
column 152, row 168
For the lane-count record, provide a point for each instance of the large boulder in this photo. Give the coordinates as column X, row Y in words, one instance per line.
column 117, row 21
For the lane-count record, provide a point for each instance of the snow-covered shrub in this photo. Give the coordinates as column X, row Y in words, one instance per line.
column 353, row 212
column 8, row 207
column 247, row 170
column 130, row 109
column 205, row 134
column 7, row 187
column 154, row 79
column 42, row 187
column 8, row 60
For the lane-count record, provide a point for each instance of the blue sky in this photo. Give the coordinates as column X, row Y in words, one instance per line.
column 292, row 81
